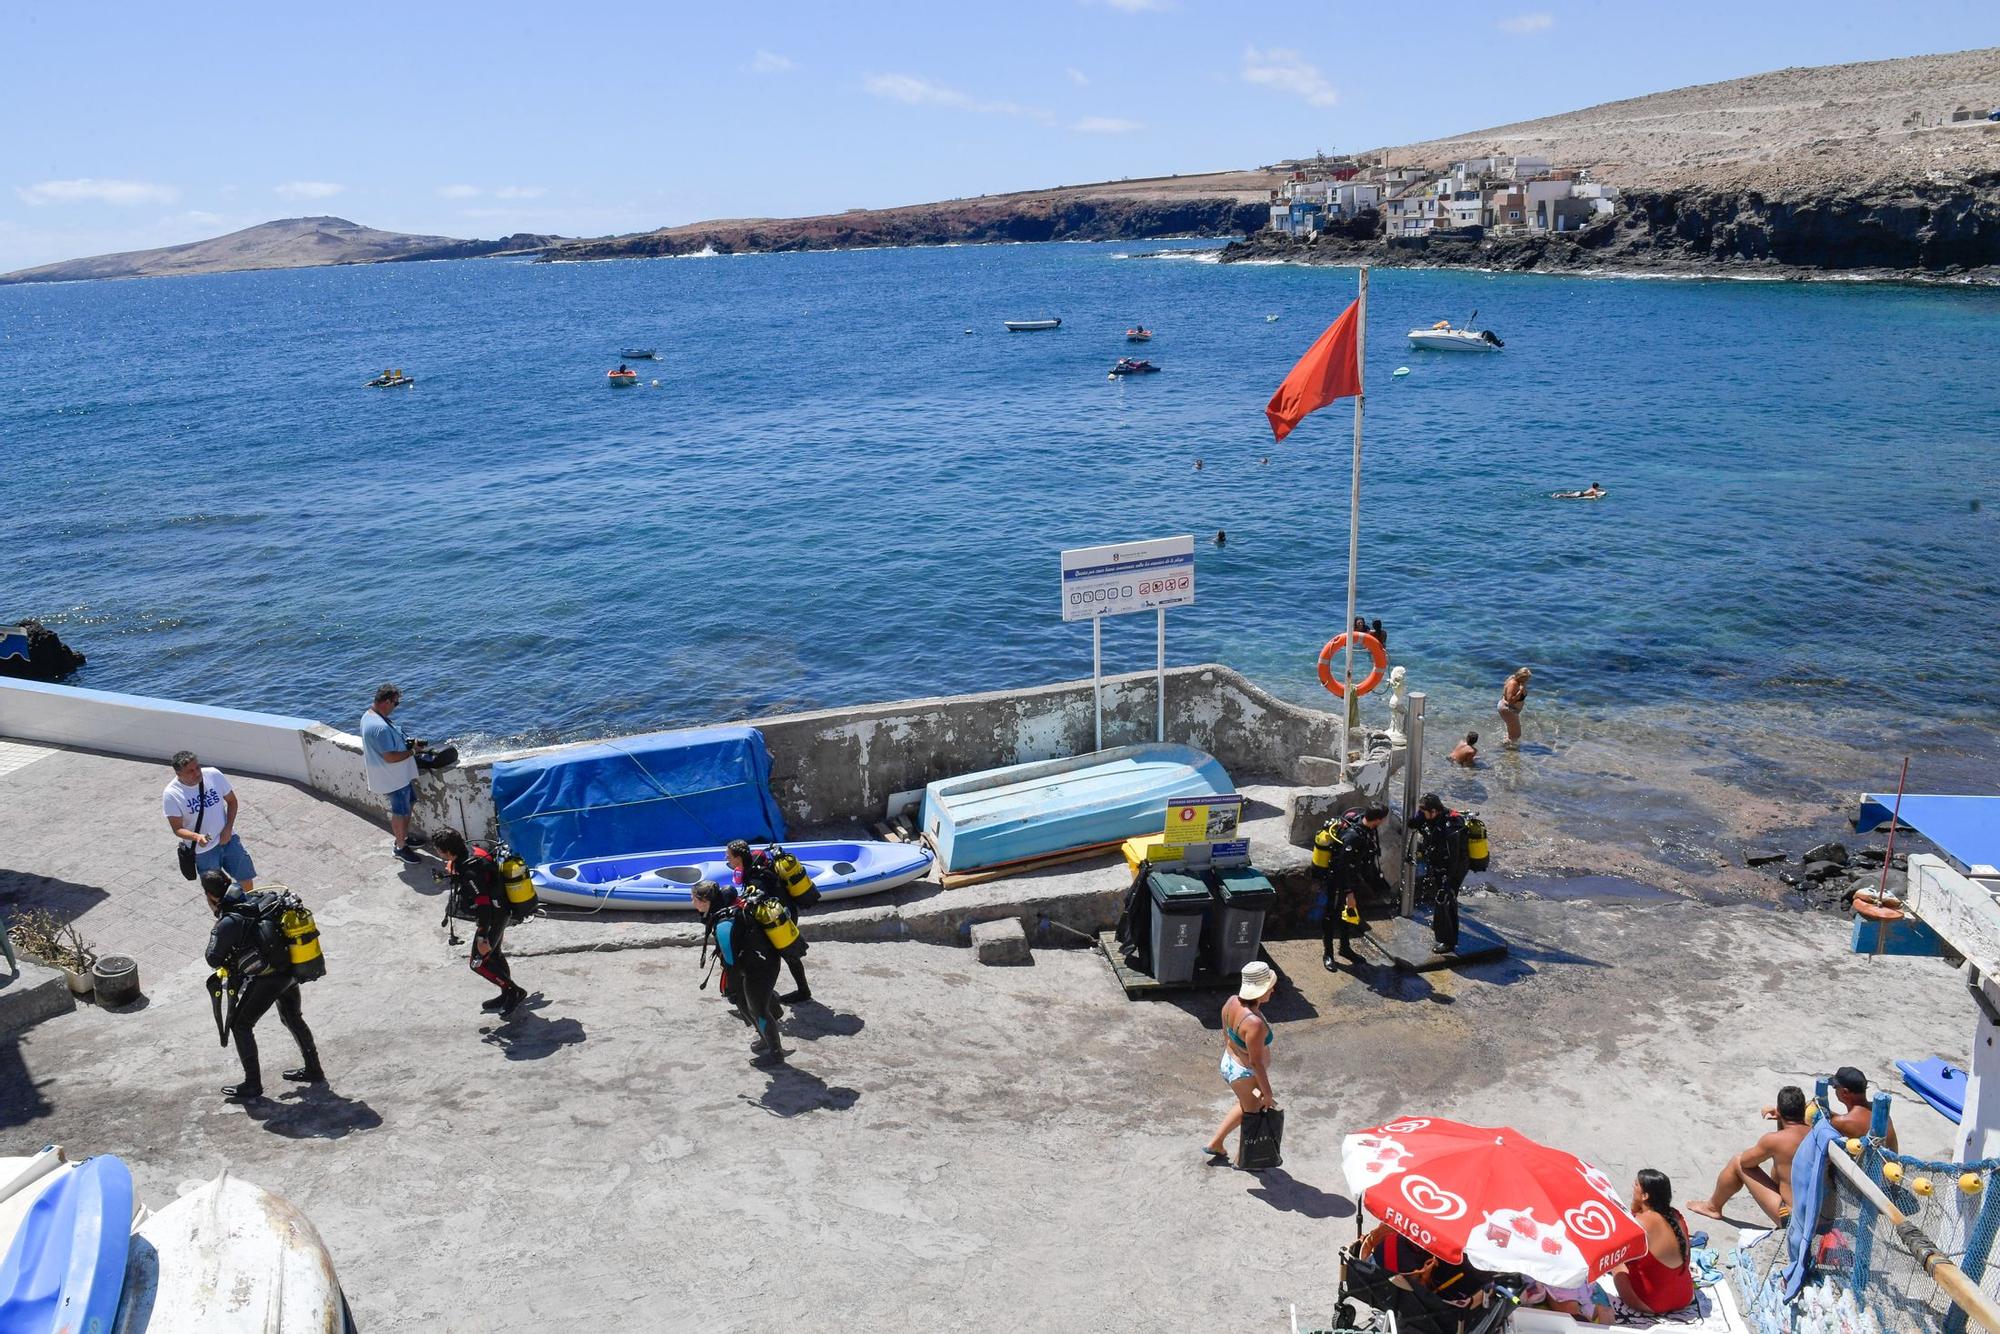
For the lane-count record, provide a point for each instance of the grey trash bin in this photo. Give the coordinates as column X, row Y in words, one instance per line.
column 1243, row 897
column 1180, row 910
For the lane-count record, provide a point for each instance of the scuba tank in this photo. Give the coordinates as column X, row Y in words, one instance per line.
column 799, row 887
column 1477, row 851
column 776, row 919
column 1324, row 842
column 301, row 935
column 519, row 887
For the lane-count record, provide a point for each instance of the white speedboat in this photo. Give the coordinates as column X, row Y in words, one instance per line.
column 1441, row 337
column 1031, row 326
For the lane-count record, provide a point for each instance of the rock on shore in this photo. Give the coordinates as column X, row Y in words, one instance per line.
column 49, row 659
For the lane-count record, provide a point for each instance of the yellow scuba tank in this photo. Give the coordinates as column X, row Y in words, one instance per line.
column 1477, row 850
column 519, row 887
column 301, row 935
column 776, row 919
column 1324, row 842
column 799, row 887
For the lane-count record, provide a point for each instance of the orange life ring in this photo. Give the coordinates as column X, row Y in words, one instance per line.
column 1876, row 911
column 1368, row 682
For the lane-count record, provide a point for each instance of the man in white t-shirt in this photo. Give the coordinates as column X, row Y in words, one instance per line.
column 200, row 807
column 391, row 759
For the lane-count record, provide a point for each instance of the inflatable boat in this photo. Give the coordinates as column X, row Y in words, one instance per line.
column 658, row 881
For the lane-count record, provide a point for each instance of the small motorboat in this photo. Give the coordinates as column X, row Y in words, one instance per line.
column 622, row 377
column 1138, row 333
column 1127, row 366
column 640, row 354
column 1270, row 319
column 658, row 881
column 391, row 380
column 1031, row 326
column 1442, row 337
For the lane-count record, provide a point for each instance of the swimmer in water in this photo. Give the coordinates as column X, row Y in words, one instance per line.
column 1594, row 491
column 1197, row 465
column 1221, row 538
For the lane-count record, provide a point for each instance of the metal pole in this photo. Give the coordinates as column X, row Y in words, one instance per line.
column 1097, row 675
column 1353, row 519
column 1163, row 675
column 1413, row 787
column 1864, row 1214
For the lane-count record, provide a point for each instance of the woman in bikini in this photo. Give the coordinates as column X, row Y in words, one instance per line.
column 1514, row 698
column 1246, row 1051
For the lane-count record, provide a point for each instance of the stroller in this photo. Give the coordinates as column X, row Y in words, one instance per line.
column 1415, row 1291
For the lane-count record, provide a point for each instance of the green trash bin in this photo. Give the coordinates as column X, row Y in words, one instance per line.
column 1243, row 896
column 1181, row 905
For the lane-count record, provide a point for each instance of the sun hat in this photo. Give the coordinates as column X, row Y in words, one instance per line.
column 1259, row 980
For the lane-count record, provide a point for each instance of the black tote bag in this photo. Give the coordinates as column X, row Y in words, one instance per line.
column 1263, row 1137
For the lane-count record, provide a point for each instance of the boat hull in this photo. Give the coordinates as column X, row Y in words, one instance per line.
column 1031, row 326
column 1026, row 811
column 65, row 1268
column 229, row 1258
column 1427, row 340
column 659, row 881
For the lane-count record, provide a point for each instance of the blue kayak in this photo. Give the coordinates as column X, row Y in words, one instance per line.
column 66, row 1266
column 1940, row 1085
column 655, row 881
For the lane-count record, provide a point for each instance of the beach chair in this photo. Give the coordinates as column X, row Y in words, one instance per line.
column 1412, row 1297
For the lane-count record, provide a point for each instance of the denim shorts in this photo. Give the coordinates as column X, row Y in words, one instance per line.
column 402, row 799
column 232, row 857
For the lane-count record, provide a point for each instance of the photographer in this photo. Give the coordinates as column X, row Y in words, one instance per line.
column 391, row 759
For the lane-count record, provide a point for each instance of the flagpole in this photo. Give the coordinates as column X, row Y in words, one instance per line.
column 1348, row 702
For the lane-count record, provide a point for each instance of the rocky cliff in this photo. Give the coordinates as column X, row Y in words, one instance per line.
column 1932, row 231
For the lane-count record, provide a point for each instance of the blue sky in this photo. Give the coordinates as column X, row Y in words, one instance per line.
column 124, row 125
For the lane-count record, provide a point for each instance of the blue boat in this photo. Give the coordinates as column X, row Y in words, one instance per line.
column 1937, row 1083
column 66, row 1265
column 1026, row 811
column 658, row 881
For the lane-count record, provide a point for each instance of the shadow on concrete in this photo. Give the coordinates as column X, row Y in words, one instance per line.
column 813, row 1021
column 1287, row 1194
column 68, row 900
column 1527, row 948
column 313, row 1111
column 133, row 1006
column 23, row 1102
column 529, row 1037
column 1392, row 983
column 1255, row 808
column 795, row 1092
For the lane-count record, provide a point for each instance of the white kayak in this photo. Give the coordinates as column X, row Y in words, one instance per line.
column 660, row 880
column 229, row 1257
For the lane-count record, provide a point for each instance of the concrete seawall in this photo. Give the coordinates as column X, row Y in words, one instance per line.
column 831, row 766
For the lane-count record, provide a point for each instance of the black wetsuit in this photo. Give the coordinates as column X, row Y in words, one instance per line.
column 476, row 880
column 233, row 944
column 759, row 876
column 1438, row 845
column 1356, row 867
column 751, row 965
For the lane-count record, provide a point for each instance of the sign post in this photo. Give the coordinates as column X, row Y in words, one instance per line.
column 1125, row 577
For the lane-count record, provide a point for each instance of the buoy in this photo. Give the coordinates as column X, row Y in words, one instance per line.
column 1892, row 1172
column 1922, row 1185
column 1854, row 1148
column 1402, row 370
column 1971, row 1182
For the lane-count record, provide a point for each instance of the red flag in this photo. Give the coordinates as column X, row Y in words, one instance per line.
column 1329, row 370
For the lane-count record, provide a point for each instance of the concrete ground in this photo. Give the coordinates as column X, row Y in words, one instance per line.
column 950, row 1147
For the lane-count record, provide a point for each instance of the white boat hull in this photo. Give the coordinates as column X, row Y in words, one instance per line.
column 229, row 1258
column 1450, row 340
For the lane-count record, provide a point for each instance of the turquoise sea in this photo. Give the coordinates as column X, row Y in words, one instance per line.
column 851, row 484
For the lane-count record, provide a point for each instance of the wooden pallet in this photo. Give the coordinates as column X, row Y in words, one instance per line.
column 954, row 879
column 1138, row 986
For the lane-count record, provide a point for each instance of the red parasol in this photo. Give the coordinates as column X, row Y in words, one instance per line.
column 1494, row 1198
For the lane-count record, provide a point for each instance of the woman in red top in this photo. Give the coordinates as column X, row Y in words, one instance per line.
column 1658, row 1282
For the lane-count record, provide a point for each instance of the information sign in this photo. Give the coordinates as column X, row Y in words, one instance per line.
column 1211, row 819
column 1127, row 576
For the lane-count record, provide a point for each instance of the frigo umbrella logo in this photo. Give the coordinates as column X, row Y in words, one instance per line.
column 1427, row 1197
column 1592, row 1220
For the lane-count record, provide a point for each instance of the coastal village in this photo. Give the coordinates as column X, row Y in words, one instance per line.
column 1499, row 195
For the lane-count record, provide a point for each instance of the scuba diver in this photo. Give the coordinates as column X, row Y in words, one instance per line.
column 749, row 963
column 1437, row 846
column 756, row 876
column 476, row 889
column 257, row 974
column 1354, row 863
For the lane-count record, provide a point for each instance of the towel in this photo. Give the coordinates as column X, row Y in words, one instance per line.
column 1808, row 1190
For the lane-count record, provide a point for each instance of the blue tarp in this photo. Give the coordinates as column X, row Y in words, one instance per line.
column 696, row 789
column 1967, row 828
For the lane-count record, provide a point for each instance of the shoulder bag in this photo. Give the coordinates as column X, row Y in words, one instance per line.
column 184, row 854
